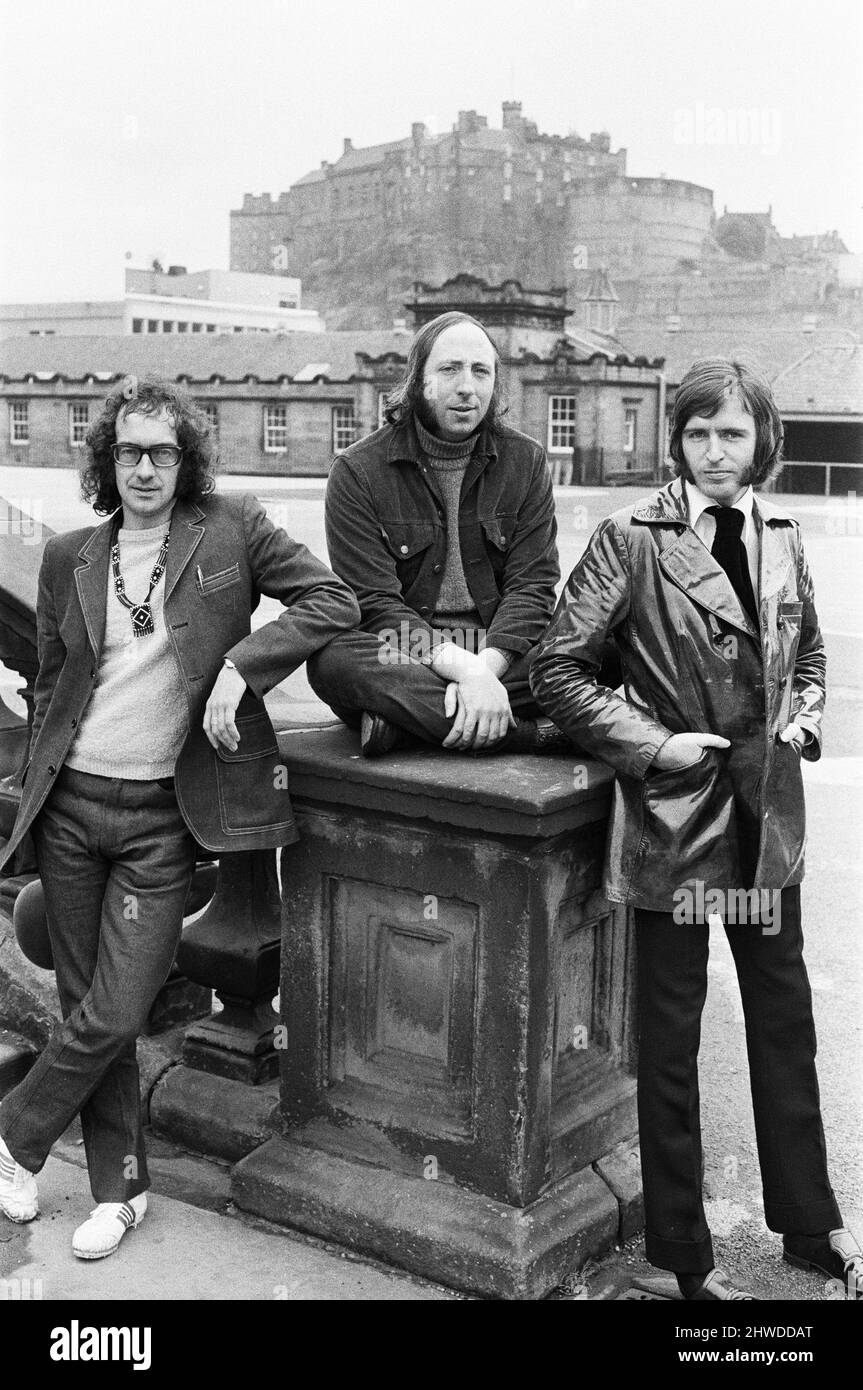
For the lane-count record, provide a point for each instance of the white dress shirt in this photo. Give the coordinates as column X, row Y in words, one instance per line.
column 704, row 525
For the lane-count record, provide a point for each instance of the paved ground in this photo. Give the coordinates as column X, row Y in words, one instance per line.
column 182, row 1252
column 832, row 891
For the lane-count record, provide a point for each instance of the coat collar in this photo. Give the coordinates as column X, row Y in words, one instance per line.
column 404, row 446
column 91, row 577
column 689, row 564
column 669, row 504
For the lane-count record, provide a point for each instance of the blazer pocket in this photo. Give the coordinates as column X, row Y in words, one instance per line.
column 252, row 779
column 221, row 579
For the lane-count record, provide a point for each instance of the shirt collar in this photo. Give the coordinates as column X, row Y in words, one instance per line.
column 697, row 502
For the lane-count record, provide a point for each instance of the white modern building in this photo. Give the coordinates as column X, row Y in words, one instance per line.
column 173, row 301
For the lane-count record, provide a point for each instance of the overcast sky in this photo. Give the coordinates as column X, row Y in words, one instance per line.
column 136, row 127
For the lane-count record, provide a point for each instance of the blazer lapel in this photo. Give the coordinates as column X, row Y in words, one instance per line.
column 91, row 581
column 186, row 536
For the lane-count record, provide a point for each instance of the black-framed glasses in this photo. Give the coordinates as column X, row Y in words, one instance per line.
column 160, row 455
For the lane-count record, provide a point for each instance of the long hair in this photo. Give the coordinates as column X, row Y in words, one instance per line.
column 408, row 396
column 705, row 388
column 148, row 397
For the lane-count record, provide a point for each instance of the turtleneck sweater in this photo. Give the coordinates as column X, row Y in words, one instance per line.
column 455, row 606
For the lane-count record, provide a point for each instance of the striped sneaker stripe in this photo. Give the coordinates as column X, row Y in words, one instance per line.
column 7, row 1169
column 126, row 1214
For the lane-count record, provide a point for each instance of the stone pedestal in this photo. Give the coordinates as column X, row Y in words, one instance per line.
column 457, row 998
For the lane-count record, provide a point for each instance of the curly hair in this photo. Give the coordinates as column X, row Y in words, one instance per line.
column 148, row 397
column 705, row 387
column 408, row 396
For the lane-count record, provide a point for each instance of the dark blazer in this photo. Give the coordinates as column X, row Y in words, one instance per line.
column 387, row 535
column 223, row 554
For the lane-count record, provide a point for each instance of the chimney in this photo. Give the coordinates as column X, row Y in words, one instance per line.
column 347, row 145
column 511, row 115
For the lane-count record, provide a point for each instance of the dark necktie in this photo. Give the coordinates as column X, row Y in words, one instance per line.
column 730, row 552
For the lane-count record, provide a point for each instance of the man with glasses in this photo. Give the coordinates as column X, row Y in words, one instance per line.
column 147, row 668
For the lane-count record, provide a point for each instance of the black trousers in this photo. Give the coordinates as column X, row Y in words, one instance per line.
column 354, row 673
column 780, row 1042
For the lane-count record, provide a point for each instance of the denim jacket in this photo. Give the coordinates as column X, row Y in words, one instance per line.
column 386, row 533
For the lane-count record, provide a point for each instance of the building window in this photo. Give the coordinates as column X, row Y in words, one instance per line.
column 211, row 410
column 152, row 325
column 382, row 405
column 20, row 422
column 344, row 427
column 275, row 429
column 79, row 421
column 182, row 326
column 137, row 325
column 561, row 423
column 630, row 429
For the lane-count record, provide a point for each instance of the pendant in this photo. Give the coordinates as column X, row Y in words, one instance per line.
column 142, row 620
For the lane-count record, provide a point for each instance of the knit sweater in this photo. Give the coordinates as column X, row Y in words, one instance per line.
column 137, row 717
column 455, row 606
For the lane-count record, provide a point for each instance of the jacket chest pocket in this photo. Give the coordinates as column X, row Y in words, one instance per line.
column 220, row 579
column 409, row 543
column 498, row 531
column 497, row 534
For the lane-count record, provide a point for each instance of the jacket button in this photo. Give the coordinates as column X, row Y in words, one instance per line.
column 74, row 723
column 404, row 549
column 437, row 569
column 93, row 673
column 51, row 769
column 424, row 610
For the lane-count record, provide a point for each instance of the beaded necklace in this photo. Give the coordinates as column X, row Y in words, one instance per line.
column 142, row 615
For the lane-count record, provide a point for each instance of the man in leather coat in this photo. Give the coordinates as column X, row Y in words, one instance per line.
column 705, row 591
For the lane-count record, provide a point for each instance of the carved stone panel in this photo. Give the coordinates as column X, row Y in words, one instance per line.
column 402, row 972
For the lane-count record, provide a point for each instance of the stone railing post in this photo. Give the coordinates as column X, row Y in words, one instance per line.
column 233, row 947
column 457, row 994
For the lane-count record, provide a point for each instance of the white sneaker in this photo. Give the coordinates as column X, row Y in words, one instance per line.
column 108, row 1223
column 19, row 1199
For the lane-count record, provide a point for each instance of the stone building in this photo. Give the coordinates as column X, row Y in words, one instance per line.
column 283, row 404
column 508, row 203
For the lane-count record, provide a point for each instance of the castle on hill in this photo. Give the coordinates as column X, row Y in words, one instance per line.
column 548, row 210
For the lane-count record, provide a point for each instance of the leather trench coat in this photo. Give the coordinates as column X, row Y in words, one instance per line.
column 692, row 661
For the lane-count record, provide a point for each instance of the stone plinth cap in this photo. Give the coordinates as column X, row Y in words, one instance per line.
column 502, row 794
